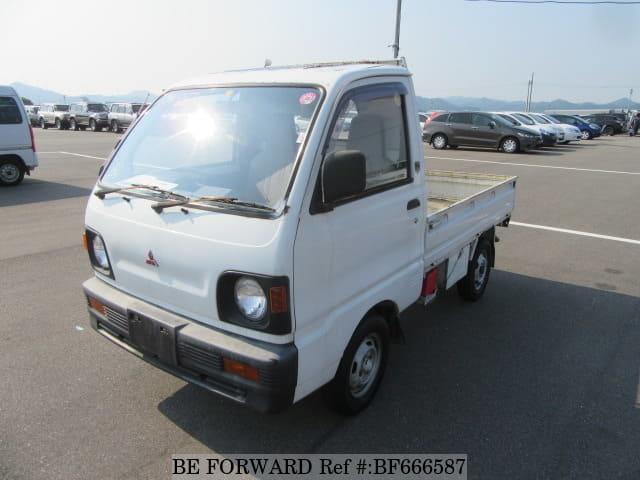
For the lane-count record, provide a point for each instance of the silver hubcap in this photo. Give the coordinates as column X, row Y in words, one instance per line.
column 509, row 145
column 9, row 173
column 585, row 135
column 365, row 365
column 480, row 272
column 439, row 142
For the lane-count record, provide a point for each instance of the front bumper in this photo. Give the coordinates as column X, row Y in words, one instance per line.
column 194, row 352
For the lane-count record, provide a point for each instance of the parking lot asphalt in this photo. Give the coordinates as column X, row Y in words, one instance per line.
column 537, row 380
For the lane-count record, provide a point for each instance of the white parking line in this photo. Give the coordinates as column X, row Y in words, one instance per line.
column 82, row 155
column 576, row 232
column 536, row 166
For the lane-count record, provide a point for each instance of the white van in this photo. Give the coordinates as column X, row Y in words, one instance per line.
column 17, row 147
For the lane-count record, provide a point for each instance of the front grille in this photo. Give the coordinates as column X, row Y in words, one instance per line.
column 198, row 359
column 117, row 320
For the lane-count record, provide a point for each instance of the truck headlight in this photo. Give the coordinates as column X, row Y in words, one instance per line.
column 97, row 252
column 250, row 299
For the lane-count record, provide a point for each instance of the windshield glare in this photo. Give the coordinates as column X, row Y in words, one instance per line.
column 218, row 142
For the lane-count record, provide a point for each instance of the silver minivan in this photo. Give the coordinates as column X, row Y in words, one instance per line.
column 17, row 147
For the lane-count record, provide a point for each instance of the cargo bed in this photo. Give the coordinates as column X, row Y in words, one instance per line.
column 461, row 206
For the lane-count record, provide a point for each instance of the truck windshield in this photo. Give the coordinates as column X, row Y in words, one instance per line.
column 240, row 143
column 62, row 108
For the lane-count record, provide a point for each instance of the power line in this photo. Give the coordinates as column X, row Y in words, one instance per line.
column 561, row 2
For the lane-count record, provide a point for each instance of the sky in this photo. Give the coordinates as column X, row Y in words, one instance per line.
column 453, row 47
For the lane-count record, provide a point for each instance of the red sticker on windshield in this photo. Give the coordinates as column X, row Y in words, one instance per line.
column 307, row 98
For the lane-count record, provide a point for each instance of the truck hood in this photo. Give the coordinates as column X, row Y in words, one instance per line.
column 189, row 252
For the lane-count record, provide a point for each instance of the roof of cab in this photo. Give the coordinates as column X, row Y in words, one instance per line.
column 324, row 74
column 5, row 90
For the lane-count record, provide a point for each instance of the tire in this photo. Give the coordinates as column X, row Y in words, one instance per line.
column 510, row 145
column 11, row 173
column 93, row 126
column 608, row 130
column 361, row 368
column 73, row 125
column 439, row 141
column 58, row 124
column 472, row 286
column 586, row 135
column 114, row 126
column 43, row 124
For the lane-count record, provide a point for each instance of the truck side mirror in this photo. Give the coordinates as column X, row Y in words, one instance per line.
column 344, row 174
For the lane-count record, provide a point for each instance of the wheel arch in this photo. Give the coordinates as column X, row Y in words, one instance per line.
column 18, row 158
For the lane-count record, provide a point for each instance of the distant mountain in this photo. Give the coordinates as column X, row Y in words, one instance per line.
column 489, row 104
column 40, row 95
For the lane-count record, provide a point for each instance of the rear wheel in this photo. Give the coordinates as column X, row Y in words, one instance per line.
column 361, row 368
column 58, row 124
column 93, row 126
column 586, row 135
column 43, row 124
column 11, row 172
column 439, row 141
column 510, row 145
column 608, row 130
column 114, row 126
column 471, row 287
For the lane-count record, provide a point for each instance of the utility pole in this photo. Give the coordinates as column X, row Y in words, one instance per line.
column 529, row 93
column 396, row 44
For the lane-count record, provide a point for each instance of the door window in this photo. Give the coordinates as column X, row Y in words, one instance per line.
column 372, row 120
column 480, row 120
column 460, row 117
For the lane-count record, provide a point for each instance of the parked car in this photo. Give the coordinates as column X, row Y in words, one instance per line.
column 549, row 137
column 610, row 125
column 54, row 114
column 559, row 131
column 571, row 132
column 479, row 129
column 17, row 146
column 587, row 130
column 32, row 114
column 83, row 115
column 121, row 115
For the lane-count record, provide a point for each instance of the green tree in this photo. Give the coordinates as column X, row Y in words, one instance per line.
column 26, row 101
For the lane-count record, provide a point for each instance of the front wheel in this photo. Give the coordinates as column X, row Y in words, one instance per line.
column 439, row 141
column 472, row 286
column 93, row 126
column 114, row 126
column 608, row 130
column 586, row 135
column 510, row 145
column 43, row 124
column 361, row 368
column 11, row 173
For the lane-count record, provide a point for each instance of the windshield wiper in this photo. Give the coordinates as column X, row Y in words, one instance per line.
column 107, row 190
column 159, row 206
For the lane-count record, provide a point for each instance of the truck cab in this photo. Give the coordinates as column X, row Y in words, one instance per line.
column 263, row 261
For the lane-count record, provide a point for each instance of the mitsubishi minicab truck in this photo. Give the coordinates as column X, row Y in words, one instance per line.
column 257, row 233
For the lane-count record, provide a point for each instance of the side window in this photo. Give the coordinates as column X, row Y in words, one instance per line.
column 9, row 111
column 460, row 117
column 441, row 118
column 480, row 120
column 372, row 120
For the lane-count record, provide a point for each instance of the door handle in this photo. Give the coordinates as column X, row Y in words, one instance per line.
column 475, row 128
column 415, row 203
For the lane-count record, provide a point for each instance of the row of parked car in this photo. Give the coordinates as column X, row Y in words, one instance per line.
column 85, row 115
column 509, row 132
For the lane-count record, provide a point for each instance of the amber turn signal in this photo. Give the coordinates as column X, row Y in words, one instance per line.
column 85, row 242
column 96, row 305
column 278, row 299
column 241, row 370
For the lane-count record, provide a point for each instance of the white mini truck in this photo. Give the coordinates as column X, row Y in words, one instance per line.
column 263, row 261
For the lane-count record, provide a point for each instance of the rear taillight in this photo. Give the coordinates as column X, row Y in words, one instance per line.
column 33, row 142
